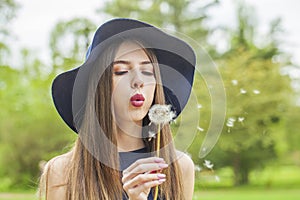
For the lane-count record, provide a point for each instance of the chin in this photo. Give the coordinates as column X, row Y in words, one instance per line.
column 138, row 116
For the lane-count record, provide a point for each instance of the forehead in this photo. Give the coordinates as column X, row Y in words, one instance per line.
column 129, row 49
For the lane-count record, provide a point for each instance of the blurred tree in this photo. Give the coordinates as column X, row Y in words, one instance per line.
column 293, row 127
column 8, row 10
column 27, row 133
column 182, row 16
column 258, row 99
column 69, row 40
column 30, row 129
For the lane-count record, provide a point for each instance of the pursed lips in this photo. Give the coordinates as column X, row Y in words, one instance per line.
column 137, row 100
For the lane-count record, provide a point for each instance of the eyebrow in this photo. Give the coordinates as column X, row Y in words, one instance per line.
column 128, row 62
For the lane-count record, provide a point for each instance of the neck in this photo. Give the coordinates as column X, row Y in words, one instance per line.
column 129, row 136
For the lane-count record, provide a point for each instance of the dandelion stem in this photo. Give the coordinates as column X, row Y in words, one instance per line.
column 158, row 141
column 157, row 154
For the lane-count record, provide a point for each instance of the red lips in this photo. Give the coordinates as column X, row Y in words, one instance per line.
column 137, row 100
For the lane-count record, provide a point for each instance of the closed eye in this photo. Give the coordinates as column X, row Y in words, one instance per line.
column 147, row 73
column 119, row 73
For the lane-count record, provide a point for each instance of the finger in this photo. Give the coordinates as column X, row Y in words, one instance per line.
column 144, row 161
column 136, row 191
column 143, row 169
column 141, row 179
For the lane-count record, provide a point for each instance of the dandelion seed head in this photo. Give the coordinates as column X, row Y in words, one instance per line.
column 161, row 114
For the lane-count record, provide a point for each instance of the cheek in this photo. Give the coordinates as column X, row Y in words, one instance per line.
column 120, row 84
column 150, row 92
column 119, row 92
column 149, row 88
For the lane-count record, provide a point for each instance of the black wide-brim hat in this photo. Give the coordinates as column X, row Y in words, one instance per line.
column 175, row 57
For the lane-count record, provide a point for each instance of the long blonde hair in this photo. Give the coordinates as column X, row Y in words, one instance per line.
column 88, row 178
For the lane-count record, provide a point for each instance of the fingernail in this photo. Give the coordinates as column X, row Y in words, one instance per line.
column 158, row 160
column 163, row 165
column 161, row 180
column 161, row 176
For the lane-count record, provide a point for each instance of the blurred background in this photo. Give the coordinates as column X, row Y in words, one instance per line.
column 254, row 45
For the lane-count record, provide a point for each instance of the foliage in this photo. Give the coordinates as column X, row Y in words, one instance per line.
column 27, row 132
column 30, row 128
column 68, row 41
column 8, row 10
column 182, row 16
column 7, row 13
column 254, row 132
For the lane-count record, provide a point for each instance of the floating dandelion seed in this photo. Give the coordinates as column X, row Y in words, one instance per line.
column 256, row 91
column 152, row 135
column 230, row 122
column 208, row 164
column 200, row 129
column 234, row 82
column 243, row 91
column 199, row 106
column 241, row 119
column 198, row 168
column 231, row 119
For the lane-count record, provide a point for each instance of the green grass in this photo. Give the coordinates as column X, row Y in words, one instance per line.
column 274, row 176
column 270, row 177
column 272, row 183
column 248, row 194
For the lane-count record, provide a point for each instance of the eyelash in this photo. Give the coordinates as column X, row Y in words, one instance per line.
column 147, row 73
column 119, row 73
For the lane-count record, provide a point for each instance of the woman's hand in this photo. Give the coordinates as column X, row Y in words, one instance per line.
column 138, row 178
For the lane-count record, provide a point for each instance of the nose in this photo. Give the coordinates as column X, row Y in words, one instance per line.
column 137, row 82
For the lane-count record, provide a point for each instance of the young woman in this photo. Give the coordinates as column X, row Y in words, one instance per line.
column 130, row 66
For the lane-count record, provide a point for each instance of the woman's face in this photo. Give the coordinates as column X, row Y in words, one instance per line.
column 133, row 83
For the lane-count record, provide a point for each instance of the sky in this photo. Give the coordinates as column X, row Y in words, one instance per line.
column 35, row 19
